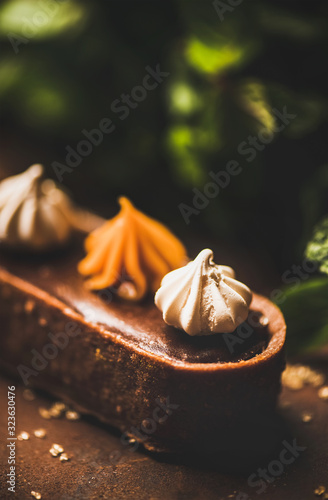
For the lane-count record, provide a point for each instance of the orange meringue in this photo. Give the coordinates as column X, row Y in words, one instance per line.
column 132, row 252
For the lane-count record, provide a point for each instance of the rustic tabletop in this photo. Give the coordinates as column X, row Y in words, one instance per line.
column 100, row 466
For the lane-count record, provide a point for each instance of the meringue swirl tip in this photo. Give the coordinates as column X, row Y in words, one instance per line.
column 203, row 298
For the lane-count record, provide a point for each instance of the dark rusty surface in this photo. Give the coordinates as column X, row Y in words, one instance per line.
column 102, row 467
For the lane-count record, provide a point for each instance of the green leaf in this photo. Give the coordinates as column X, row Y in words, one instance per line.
column 317, row 248
column 10, row 74
column 219, row 56
column 39, row 20
column 183, row 99
column 253, row 100
column 306, row 314
column 182, row 144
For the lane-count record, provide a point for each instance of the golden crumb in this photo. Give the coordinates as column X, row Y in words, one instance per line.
column 44, row 413
column 57, row 409
column 59, row 405
column 296, row 376
column 72, row 415
column 54, row 413
column 323, row 393
column 264, row 321
column 29, row 306
column 28, row 395
column 23, row 436
column 56, row 450
column 36, row 495
column 42, row 321
column 320, row 490
column 40, row 433
column 64, row 457
column 307, row 417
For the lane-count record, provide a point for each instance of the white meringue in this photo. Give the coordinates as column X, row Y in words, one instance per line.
column 203, row 298
column 37, row 215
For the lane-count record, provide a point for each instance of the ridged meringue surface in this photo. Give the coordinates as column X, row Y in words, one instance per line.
column 35, row 214
column 132, row 252
column 203, row 298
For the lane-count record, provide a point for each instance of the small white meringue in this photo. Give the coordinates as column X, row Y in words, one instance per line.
column 36, row 214
column 203, row 298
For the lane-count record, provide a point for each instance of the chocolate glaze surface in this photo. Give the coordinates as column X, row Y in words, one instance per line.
column 141, row 323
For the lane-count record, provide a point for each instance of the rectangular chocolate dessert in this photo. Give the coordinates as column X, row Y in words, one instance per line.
column 120, row 362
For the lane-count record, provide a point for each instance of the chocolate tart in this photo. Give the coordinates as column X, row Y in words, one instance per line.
column 121, row 363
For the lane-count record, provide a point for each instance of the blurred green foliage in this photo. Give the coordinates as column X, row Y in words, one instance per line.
column 74, row 58
column 304, row 303
column 317, row 248
column 306, row 314
column 41, row 20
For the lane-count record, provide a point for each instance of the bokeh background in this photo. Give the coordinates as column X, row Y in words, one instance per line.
column 63, row 63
